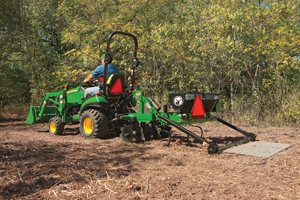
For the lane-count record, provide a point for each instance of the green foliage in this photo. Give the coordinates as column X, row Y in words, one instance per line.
column 14, row 88
column 246, row 50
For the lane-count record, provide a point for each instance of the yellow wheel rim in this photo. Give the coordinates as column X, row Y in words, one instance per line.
column 88, row 125
column 52, row 127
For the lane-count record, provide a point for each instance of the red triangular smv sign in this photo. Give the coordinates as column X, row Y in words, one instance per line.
column 198, row 110
column 117, row 88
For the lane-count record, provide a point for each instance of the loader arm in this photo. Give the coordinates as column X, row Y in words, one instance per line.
column 43, row 112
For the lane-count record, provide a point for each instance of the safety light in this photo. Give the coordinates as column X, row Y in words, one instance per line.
column 135, row 81
column 198, row 110
column 102, row 79
column 117, row 88
column 98, row 93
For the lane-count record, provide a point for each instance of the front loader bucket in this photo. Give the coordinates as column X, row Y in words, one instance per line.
column 31, row 119
column 33, row 116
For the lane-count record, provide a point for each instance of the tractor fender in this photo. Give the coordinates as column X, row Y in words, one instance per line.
column 98, row 106
column 96, row 102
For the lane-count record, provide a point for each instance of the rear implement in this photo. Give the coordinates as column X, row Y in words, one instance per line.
column 190, row 109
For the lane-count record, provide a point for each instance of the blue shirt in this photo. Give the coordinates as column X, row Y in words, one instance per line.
column 111, row 69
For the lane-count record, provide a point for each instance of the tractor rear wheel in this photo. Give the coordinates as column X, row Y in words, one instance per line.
column 56, row 126
column 93, row 124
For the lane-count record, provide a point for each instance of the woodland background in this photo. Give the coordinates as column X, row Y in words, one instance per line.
column 246, row 50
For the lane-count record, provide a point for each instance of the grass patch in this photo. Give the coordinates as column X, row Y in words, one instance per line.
column 264, row 110
column 14, row 112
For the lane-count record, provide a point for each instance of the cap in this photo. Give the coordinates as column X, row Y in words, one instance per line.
column 103, row 56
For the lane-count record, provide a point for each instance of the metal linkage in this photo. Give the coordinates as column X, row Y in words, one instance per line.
column 243, row 141
column 212, row 147
column 199, row 128
column 251, row 136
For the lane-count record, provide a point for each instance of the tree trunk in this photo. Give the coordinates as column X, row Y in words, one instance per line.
column 232, row 91
column 232, row 98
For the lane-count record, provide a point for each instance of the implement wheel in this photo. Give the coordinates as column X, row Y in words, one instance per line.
column 93, row 124
column 126, row 134
column 147, row 131
column 56, row 126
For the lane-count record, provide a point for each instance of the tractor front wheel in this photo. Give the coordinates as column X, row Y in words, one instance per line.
column 93, row 124
column 56, row 126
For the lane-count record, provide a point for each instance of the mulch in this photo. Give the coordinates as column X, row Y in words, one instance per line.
column 37, row 165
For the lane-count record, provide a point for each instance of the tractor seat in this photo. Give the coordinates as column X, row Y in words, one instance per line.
column 115, row 84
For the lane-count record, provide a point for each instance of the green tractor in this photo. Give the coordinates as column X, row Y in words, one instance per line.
column 108, row 111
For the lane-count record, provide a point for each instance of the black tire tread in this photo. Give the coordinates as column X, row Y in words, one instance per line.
column 101, row 123
column 59, row 125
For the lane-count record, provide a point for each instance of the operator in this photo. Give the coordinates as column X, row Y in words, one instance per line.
column 111, row 69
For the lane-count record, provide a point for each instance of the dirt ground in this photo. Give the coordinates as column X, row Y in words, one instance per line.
column 37, row 165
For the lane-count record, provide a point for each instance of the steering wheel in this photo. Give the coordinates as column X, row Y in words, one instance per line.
column 91, row 84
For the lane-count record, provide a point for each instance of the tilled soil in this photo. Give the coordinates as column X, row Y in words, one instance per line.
column 37, row 165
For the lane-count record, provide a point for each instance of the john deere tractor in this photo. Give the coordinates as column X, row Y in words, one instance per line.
column 105, row 109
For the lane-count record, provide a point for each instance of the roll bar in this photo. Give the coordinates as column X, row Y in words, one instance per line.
column 108, row 59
